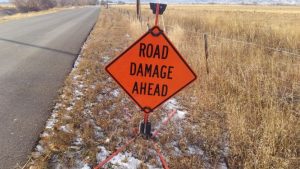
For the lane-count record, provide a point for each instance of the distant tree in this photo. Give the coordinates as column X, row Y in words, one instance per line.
column 33, row 5
column 82, row 2
column 102, row 2
column 37, row 5
column 61, row 3
column 121, row 2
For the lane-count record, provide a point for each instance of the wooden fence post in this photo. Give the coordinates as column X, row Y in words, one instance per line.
column 206, row 52
column 138, row 9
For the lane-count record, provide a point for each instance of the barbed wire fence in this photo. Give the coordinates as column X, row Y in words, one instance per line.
column 207, row 38
column 203, row 34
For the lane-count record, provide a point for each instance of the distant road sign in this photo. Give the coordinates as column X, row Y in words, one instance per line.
column 162, row 8
column 151, row 70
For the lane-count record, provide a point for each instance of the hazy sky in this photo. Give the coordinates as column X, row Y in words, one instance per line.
column 168, row 1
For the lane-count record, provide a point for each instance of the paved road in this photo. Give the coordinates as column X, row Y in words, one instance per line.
column 36, row 54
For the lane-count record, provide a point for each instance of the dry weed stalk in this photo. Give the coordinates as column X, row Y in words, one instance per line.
column 247, row 108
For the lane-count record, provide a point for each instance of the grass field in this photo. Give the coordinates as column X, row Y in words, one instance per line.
column 243, row 114
column 253, row 91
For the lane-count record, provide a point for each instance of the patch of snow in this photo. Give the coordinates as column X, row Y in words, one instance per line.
column 39, row 148
column 67, row 117
column 65, row 129
column 121, row 161
column 76, row 77
column 78, row 141
column 151, row 167
column 222, row 165
column 105, row 59
column 100, row 97
column 81, row 86
column 58, row 105
column 98, row 132
column 180, row 114
column 127, row 35
column 77, row 148
column 117, row 50
column 77, row 61
column 69, row 108
column 45, row 134
column 102, row 154
column 195, row 150
column 225, row 152
column 78, row 93
column 125, row 160
column 193, row 100
column 115, row 92
column 63, row 96
column 50, row 123
column 86, row 167
column 171, row 104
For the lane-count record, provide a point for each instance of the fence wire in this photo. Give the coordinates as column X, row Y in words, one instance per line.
column 201, row 34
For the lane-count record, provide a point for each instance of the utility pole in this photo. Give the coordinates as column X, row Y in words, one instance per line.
column 138, row 9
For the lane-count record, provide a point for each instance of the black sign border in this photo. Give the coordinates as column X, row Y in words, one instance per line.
column 148, row 109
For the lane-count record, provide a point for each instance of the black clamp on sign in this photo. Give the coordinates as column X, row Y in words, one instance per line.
column 162, row 8
column 145, row 129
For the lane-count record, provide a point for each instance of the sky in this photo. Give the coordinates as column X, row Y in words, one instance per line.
column 223, row 1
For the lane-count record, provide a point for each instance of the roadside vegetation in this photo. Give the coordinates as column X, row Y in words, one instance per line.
column 7, row 16
column 243, row 114
column 7, row 9
column 38, row 5
column 18, row 9
column 252, row 93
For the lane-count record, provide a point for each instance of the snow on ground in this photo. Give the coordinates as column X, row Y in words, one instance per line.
column 78, row 93
column 124, row 160
column 179, row 121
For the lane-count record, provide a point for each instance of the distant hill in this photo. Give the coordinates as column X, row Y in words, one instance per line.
column 287, row 2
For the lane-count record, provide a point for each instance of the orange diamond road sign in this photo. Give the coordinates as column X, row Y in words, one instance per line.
column 151, row 70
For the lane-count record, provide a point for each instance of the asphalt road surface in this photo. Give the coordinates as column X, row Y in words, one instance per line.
column 36, row 55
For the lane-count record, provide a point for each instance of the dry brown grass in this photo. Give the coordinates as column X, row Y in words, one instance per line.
column 249, row 104
column 244, row 113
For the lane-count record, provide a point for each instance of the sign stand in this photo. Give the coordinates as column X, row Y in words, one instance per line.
column 150, row 71
column 145, row 127
column 149, row 135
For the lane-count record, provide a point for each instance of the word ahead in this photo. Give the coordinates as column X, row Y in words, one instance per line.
column 151, row 70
